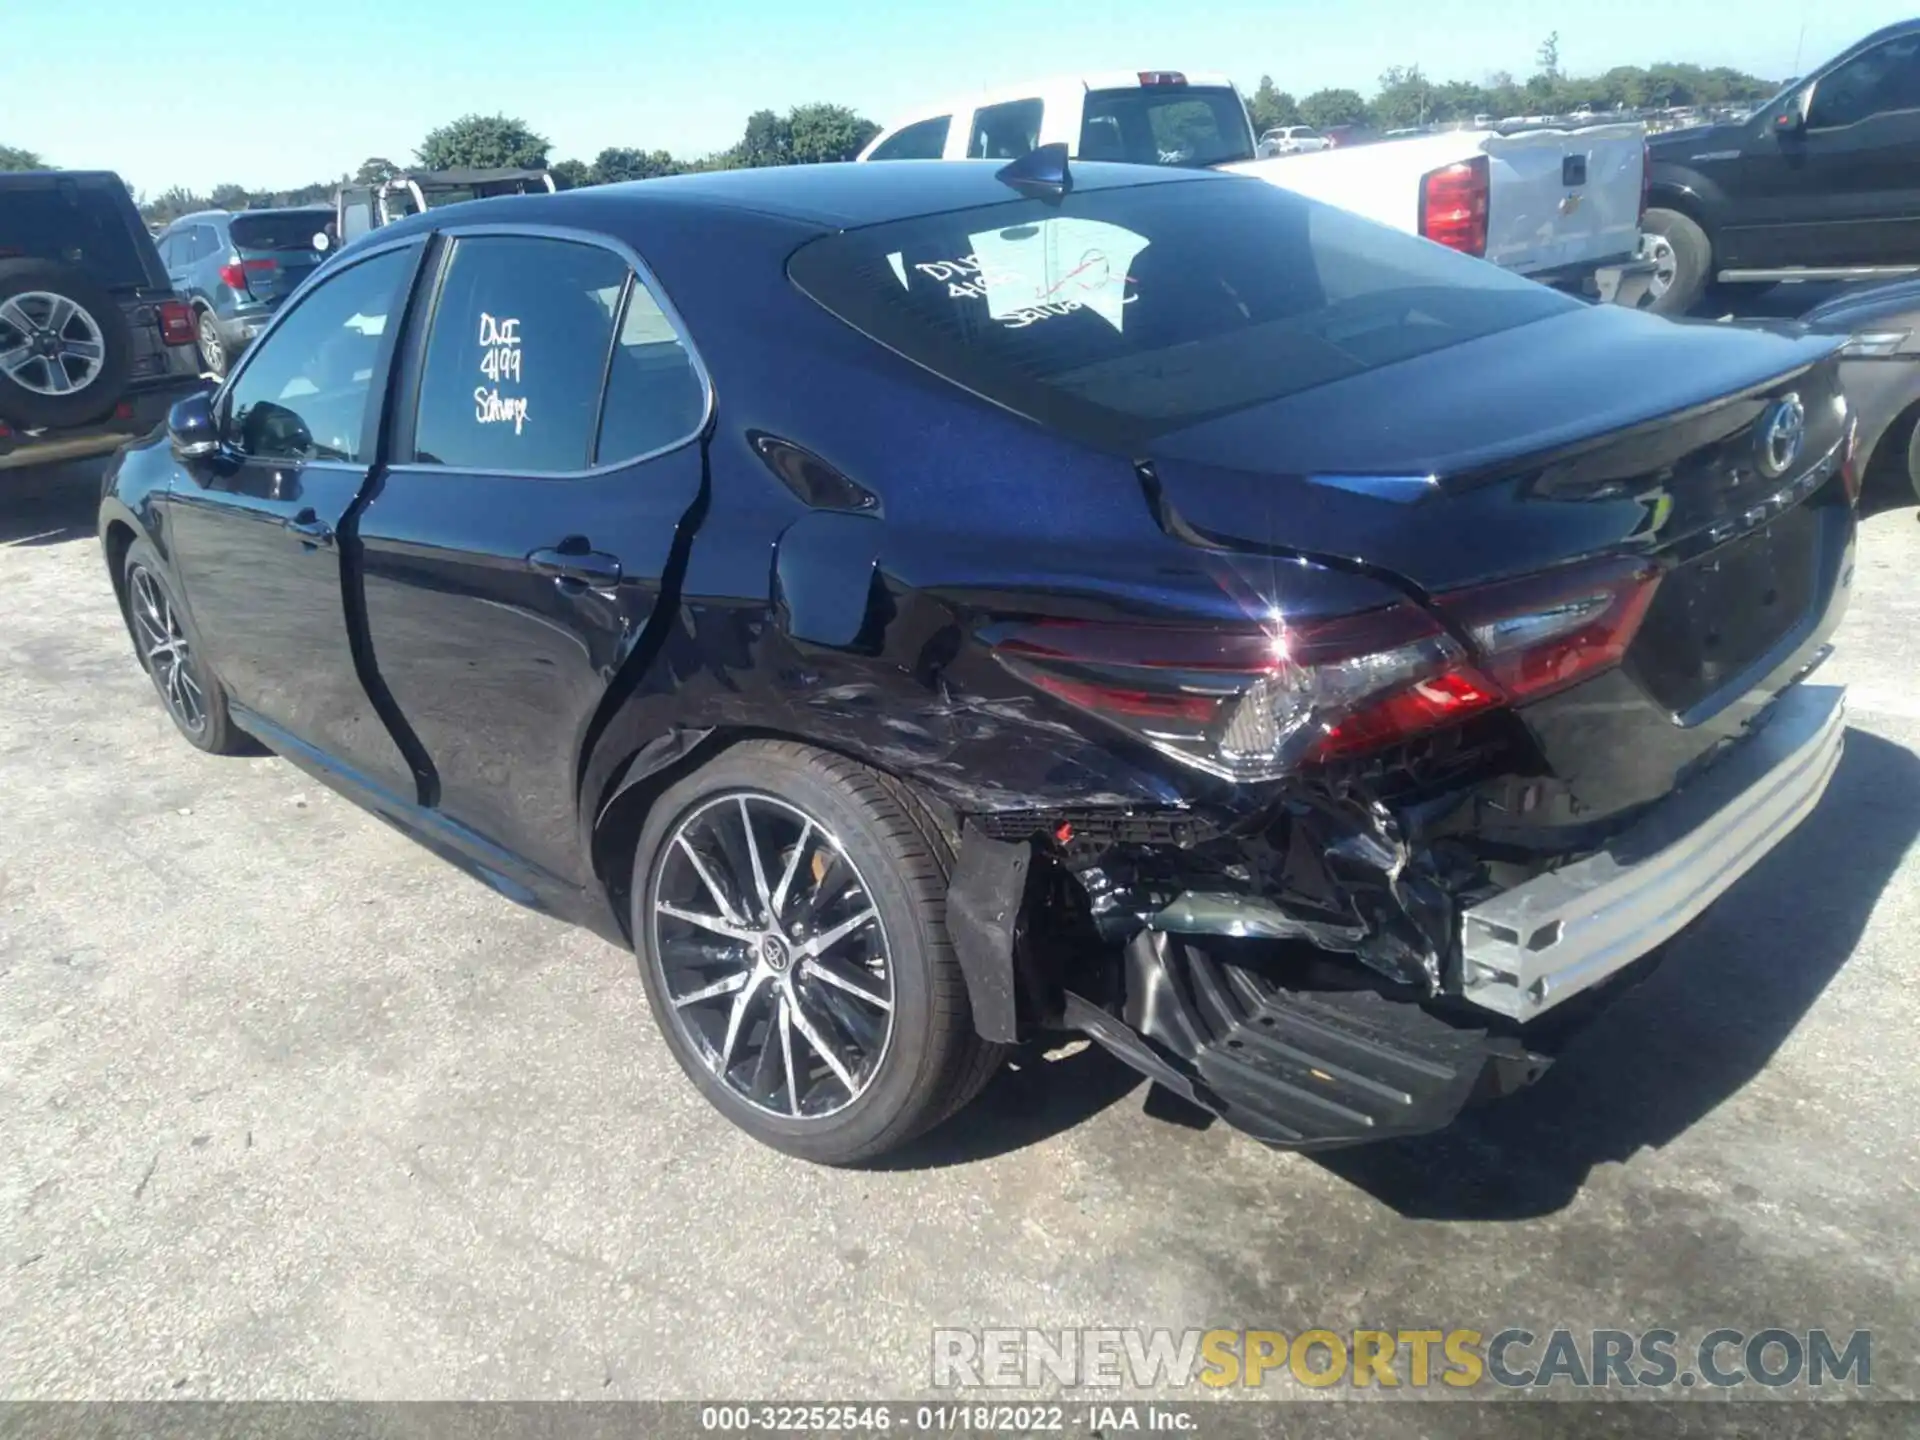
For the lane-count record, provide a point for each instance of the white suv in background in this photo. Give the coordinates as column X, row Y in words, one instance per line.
column 1291, row 140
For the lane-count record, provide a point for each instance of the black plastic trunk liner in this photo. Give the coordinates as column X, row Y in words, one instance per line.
column 1296, row 1069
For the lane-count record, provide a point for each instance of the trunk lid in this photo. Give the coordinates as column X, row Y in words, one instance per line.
column 277, row 249
column 1600, row 432
column 1560, row 199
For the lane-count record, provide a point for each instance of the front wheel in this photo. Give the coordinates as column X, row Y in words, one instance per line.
column 169, row 652
column 1682, row 259
column 790, row 916
column 1913, row 461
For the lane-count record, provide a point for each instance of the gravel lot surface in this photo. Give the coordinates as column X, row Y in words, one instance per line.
column 289, row 1108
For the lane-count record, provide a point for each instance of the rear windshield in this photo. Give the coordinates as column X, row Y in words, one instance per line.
column 77, row 225
column 291, row 230
column 1166, row 125
column 1122, row 314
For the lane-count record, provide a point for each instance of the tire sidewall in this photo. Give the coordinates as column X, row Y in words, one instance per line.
column 216, row 735
column 32, row 410
column 910, row 933
column 1693, row 260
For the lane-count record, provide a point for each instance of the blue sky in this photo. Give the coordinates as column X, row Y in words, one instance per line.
column 272, row 94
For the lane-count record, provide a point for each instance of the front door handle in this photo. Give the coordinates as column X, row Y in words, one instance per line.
column 572, row 565
column 311, row 529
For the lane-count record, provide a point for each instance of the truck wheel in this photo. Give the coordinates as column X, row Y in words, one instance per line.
column 789, row 909
column 64, row 346
column 1682, row 258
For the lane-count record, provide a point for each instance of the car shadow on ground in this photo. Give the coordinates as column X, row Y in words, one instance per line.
column 1704, row 1025
column 1045, row 1088
column 49, row 505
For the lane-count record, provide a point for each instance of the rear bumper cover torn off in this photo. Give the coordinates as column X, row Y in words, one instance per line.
column 1531, row 947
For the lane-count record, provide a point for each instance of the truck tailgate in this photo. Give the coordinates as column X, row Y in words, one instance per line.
column 1562, row 198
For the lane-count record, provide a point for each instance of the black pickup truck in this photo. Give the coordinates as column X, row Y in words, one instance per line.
column 1821, row 182
column 95, row 346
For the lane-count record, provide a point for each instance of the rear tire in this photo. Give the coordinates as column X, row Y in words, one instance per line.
column 168, row 648
column 1683, row 257
column 213, row 352
column 849, row 839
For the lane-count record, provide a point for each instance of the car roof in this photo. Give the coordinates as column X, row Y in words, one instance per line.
column 202, row 216
column 829, row 197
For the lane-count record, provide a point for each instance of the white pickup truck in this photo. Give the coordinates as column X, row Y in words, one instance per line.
column 1559, row 206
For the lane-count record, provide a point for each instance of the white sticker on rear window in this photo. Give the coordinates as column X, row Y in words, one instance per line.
column 1053, row 267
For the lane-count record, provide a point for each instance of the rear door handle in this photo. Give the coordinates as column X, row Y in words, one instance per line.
column 571, row 566
column 311, row 529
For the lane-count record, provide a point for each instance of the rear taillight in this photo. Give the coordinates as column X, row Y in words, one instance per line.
column 1162, row 77
column 1453, row 205
column 234, row 273
column 1255, row 705
column 176, row 322
column 1543, row 633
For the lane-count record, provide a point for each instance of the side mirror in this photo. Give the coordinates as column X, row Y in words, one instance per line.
column 1791, row 118
column 191, row 427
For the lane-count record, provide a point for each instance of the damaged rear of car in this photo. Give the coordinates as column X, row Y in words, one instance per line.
column 1463, row 670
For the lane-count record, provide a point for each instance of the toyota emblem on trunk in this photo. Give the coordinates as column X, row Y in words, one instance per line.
column 1782, row 429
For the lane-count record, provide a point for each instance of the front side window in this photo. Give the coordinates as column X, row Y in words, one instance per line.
column 305, row 391
column 1007, row 131
column 518, row 354
column 73, row 224
column 1884, row 79
column 922, row 140
column 1119, row 314
column 1191, row 126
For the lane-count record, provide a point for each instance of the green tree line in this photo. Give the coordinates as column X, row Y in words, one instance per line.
column 810, row 134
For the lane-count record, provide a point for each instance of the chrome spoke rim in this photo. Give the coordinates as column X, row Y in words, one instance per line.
column 772, row 955
column 1665, row 264
column 164, row 651
column 48, row 344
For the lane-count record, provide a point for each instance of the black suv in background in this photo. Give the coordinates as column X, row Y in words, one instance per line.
column 95, row 346
column 234, row 269
column 1821, row 182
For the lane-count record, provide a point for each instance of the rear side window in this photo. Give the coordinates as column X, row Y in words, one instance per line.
column 1125, row 313
column 655, row 398
column 81, row 226
column 922, row 140
column 517, row 355
column 1005, row 132
column 1192, row 126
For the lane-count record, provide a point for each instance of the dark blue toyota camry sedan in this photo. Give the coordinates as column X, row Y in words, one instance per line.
column 921, row 607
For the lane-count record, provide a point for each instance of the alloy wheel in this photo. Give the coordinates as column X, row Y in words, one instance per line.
column 213, row 354
column 49, row 344
column 773, row 957
column 1666, row 265
column 164, row 650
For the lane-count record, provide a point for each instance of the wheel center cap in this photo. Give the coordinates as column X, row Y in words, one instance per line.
column 774, row 953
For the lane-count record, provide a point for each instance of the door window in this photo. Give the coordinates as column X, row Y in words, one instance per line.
column 517, row 355
column 1885, row 78
column 170, row 246
column 655, row 398
column 1005, row 132
column 922, row 140
column 304, row 392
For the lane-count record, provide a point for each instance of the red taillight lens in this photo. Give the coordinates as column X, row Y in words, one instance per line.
column 234, row 273
column 1543, row 633
column 1453, row 205
column 1256, row 704
column 176, row 322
